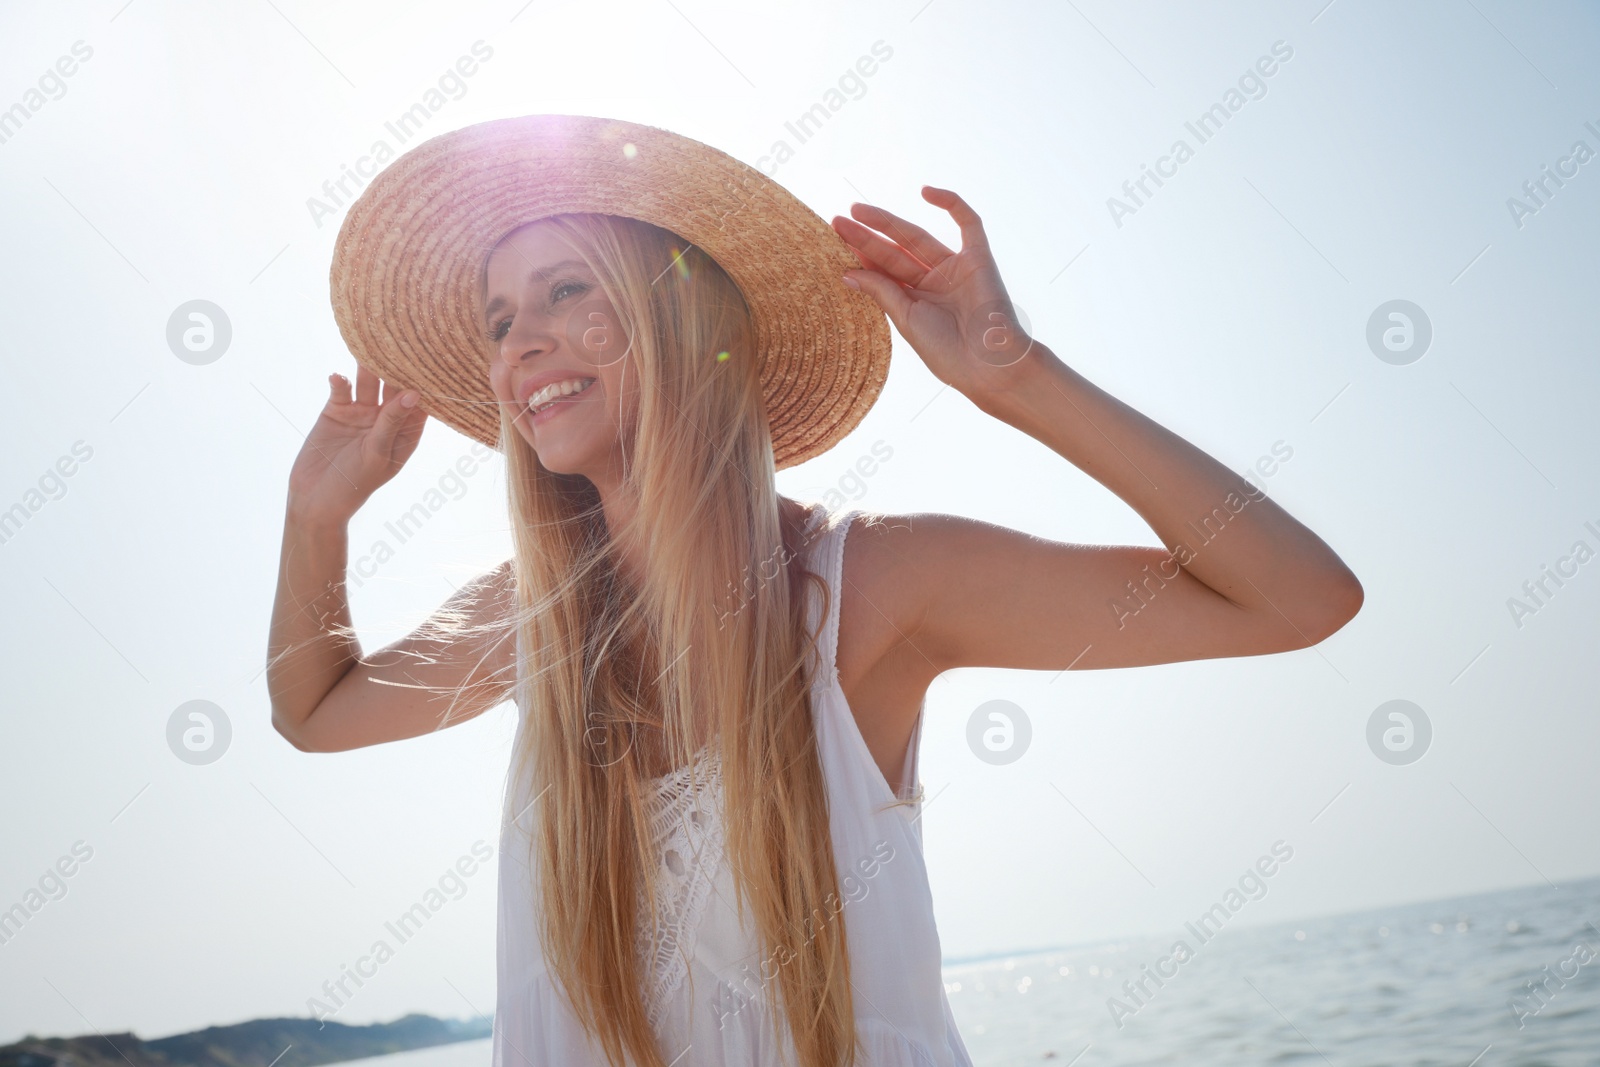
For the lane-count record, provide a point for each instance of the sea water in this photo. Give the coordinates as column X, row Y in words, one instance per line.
column 1506, row 979
column 476, row 1053
column 1497, row 979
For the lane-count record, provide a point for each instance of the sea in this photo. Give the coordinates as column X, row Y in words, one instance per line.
column 1502, row 979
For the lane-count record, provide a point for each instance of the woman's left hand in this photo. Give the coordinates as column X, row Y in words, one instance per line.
column 951, row 306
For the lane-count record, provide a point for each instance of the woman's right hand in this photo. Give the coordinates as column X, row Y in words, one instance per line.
column 356, row 445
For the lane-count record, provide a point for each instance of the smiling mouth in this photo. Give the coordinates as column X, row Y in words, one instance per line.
column 543, row 410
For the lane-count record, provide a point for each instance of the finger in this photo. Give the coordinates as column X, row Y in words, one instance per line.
column 338, row 389
column 408, row 436
column 392, row 419
column 366, row 385
column 880, row 253
column 392, row 388
column 895, row 301
column 863, row 260
column 972, row 235
column 924, row 245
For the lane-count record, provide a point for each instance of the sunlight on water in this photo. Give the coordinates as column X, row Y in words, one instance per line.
column 1516, row 973
column 460, row 1054
column 1420, row 984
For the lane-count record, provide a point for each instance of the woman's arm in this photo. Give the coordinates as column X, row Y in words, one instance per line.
column 325, row 696
column 310, row 645
column 458, row 664
column 1240, row 576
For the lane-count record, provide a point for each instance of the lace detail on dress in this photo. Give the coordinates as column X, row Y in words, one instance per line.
column 686, row 825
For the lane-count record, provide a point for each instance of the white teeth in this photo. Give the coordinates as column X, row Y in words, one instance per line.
column 555, row 390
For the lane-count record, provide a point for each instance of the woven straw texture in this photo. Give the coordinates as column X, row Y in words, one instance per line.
column 408, row 263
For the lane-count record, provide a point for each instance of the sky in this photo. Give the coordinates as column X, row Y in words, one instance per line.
column 1246, row 302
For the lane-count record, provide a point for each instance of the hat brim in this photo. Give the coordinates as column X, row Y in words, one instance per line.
column 407, row 264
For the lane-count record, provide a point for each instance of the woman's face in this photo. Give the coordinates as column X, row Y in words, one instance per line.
column 550, row 324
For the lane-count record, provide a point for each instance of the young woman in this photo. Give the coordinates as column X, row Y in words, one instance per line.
column 710, row 852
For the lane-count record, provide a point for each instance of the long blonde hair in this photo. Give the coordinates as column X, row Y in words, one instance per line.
column 619, row 677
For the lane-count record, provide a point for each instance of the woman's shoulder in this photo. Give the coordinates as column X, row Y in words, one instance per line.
column 873, row 560
column 864, row 532
column 876, row 580
column 822, row 518
column 896, row 565
column 883, row 564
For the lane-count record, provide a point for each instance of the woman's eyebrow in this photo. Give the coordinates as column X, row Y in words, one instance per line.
column 538, row 272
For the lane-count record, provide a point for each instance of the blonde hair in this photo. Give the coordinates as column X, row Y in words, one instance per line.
column 616, row 676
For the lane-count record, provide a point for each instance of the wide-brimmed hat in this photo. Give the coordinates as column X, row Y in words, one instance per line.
column 409, row 260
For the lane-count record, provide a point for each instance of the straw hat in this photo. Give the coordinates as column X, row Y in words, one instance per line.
column 408, row 263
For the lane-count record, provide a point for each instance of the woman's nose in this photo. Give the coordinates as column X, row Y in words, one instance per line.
column 526, row 339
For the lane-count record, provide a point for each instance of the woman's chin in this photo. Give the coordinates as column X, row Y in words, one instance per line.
column 575, row 448
column 558, row 457
column 555, row 462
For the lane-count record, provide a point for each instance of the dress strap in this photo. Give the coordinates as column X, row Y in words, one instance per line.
column 827, row 559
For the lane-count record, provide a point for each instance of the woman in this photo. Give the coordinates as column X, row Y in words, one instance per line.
column 711, row 851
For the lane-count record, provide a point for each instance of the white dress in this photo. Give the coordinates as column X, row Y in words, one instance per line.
column 709, row 1000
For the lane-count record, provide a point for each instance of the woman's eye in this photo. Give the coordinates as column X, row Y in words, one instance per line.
column 558, row 293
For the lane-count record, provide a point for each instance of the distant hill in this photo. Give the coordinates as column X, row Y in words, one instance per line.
column 293, row 1042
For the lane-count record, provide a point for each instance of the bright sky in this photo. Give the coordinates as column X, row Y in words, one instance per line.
column 1375, row 163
